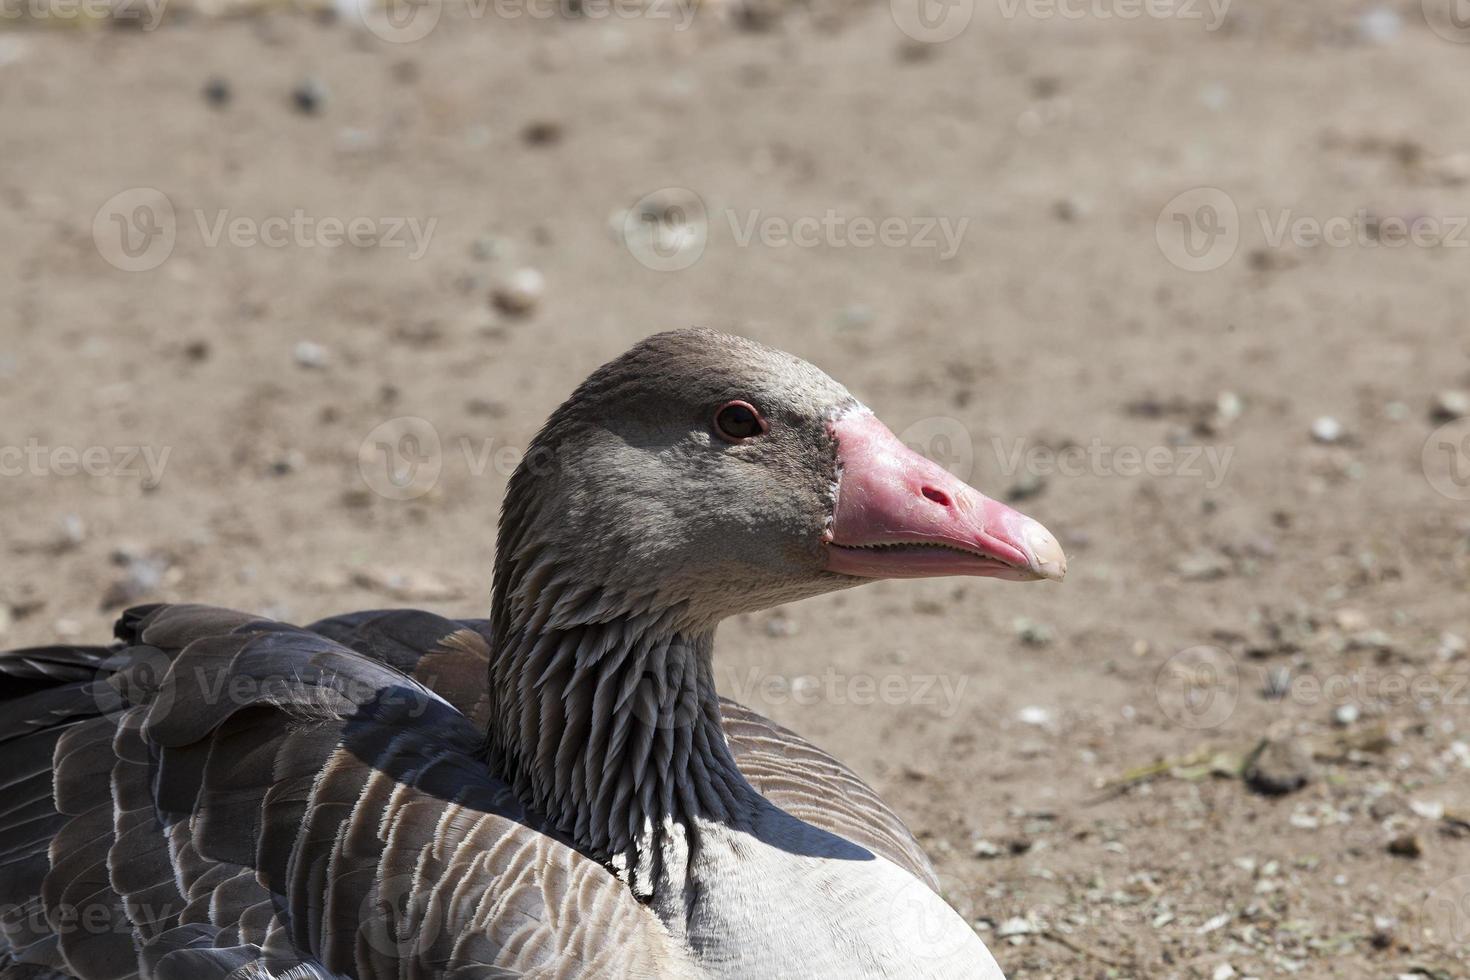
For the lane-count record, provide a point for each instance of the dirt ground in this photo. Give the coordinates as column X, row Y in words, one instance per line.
column 1235, row 435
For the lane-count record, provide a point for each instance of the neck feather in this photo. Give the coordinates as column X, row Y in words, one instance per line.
column 612, row 730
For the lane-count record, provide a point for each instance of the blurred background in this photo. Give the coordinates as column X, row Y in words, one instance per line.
column 288, row 287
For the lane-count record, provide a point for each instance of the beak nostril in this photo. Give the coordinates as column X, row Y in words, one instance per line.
column 938, row 496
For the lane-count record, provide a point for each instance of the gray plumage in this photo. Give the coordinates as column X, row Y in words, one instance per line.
column 557, row 792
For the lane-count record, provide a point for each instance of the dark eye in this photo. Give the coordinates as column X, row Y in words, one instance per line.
column 738, row 421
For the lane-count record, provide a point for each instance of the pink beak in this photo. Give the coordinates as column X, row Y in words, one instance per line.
column 900, row 515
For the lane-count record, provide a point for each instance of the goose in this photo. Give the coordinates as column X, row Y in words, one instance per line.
column 556, row 792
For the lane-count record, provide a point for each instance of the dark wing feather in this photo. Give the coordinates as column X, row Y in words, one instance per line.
column 235, row 797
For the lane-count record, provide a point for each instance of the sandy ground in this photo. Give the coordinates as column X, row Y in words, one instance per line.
column 1070, row 754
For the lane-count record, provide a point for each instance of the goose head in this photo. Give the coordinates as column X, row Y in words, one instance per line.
column 709, row 475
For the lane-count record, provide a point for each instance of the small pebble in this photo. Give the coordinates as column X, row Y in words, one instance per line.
column 292, row 461
column 217, row 92
column 1277, row 768
column 1427, row 809
column 1028, row 486
column 520, row 292
column 1345, row 715
column 1450, row 405
column 780, row 626
column 485, row 407
column 1452, row 170
column 74, row 531
column 1014, row 927
column 12, row 50
column 913, row 52
column 1214, row 96
column 855, row 317
column 542, row 132
column 405, row 72
column 1228, row 406
column 1203, row 567
column 1452, row 646
column 485, row 248
column 310, row 97
column 1033, row 634
column 310, row 354
column 142, row 575
column 1224, row 972
column 1406, row 846
column 1327, row 430
column 985, row 850
column 1070, row 209
column 1034, row 715
column 1380, row 25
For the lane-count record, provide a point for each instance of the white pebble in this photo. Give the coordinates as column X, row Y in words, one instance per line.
column 1327, row 430
column 310, row 354
column 1033, row 715
column 1451, row 405
column 520, row 291
column 1015, row 927
column 1380, row 25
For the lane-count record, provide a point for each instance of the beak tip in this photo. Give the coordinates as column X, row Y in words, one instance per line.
column 1048, row 560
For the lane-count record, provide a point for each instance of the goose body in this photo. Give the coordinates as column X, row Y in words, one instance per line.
column 557, row 792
